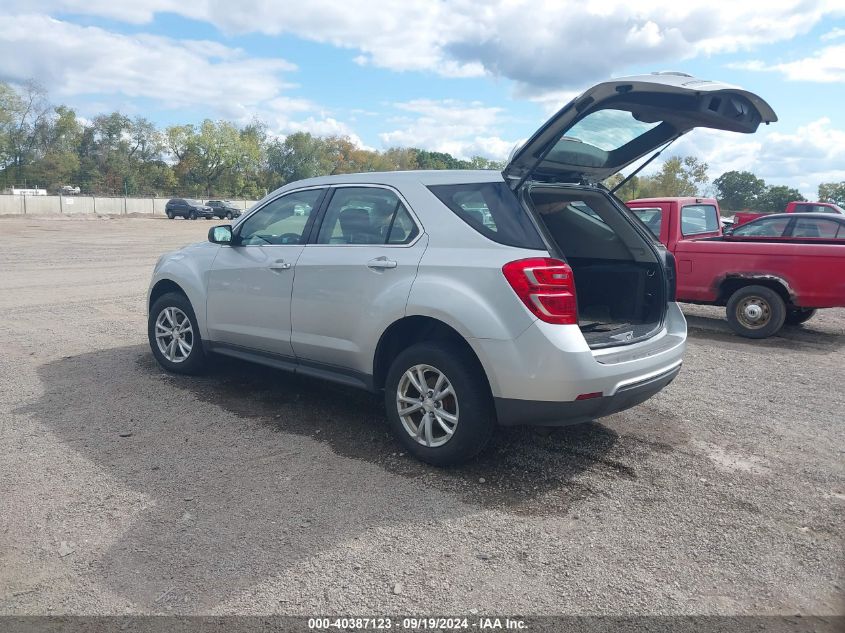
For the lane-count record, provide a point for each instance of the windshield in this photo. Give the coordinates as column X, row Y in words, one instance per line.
column 196, row 203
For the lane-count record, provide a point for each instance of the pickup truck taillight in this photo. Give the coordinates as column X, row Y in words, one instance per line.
column 671, row 277
column 546, row 286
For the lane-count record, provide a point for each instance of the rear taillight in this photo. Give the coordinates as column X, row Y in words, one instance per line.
column 546, row 286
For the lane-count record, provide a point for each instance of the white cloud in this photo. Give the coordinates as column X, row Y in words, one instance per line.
column 461, row 129
column 826, row 66
column 833, row 34
column 541, row 44
column 72, row 60
column 75, row 60
column 814, row 153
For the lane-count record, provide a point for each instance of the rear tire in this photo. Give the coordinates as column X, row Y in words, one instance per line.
column 797, row 316
column 756, row 312
column 173, row 311
column 454, row 419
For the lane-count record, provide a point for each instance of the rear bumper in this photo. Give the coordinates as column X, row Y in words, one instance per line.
column 512, row 412
column 538, row 377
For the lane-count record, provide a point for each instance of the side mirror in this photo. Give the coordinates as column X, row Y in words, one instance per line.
column 220, row 234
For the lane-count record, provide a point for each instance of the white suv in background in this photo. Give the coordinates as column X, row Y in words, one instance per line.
column 470, row 298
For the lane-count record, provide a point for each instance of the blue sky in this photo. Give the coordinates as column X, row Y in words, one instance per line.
column 455, row 76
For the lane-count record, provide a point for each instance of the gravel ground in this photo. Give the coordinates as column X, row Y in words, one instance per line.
column 128, row 490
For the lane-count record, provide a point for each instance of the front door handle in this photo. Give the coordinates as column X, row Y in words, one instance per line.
column 280, row 264
column 380, row 263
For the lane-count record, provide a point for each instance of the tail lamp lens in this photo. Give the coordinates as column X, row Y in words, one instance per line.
column 546, row 286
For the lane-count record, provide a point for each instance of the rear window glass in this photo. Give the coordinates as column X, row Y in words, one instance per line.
column 815, row 208
column 699, row 218
column 652, row 218
column 492, row 209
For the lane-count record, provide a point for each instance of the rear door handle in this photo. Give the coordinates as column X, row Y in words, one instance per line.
column 380, row 263
column 279, row 264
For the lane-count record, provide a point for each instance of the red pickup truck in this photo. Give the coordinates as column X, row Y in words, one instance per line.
column 793, row 207
column 762, row 283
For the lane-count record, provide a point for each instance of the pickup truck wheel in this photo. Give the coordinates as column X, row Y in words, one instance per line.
column 797, row 316
column 438, row 404
column 174, row 335
column 756, row 312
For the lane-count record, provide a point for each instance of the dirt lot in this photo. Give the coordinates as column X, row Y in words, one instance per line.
column 127, row 490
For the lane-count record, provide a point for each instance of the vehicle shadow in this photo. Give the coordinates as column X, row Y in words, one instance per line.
column 236, row 489
column 805, row 337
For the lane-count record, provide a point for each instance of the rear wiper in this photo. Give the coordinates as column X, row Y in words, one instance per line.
column 645, row 164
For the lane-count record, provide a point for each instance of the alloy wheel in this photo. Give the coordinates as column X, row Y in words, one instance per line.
column 427, row 405
column 174, row 334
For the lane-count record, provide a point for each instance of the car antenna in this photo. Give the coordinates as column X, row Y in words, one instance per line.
column 645, row 164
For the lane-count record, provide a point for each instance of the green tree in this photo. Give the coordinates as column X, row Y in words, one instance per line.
column 738, row 190
column 776, row 198
column 23, row 115
column 300, row 155
column 678, row 176
column 832, row 192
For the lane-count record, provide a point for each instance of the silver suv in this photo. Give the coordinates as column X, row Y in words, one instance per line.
column 469, row 298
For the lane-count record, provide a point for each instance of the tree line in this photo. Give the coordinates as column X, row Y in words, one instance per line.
column 47, row 145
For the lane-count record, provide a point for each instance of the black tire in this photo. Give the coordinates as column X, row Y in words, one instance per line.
column 192, row 215
column 208, row 217
column 169, row 215
column 229, row 215
column 196, row 359
column 797, row 316
column 472, row 402
column 769, row 302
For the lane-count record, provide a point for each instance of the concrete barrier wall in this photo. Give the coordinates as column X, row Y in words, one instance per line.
column 77, row 205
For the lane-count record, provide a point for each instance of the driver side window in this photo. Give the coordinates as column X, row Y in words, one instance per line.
column 281, row 221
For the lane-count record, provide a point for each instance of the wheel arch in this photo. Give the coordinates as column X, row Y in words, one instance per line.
column 409, row 330
column 731, row 283
column 161, row 288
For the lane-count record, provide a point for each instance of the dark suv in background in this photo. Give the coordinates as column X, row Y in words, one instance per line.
column 224, row 209
column 188, row 209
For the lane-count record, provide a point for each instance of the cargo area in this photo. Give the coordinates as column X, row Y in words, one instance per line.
column 619, row 280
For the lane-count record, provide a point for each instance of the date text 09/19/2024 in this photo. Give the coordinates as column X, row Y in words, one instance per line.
column 417, row 623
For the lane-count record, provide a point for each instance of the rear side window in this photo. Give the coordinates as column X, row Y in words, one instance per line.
column 366, row 215
column 492, row 209
column 811, row 227
column 699, row 218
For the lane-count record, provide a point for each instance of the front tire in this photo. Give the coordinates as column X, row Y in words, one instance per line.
column 192, row 215
column 229, row 215
column 169, row 215
column 174, row 335
column 756, row 312
column 797, row 316
column 438, row 404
